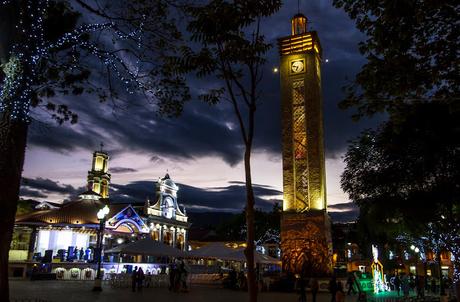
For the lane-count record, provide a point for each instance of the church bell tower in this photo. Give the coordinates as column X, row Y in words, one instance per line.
column 306, row 242
column 98, row 177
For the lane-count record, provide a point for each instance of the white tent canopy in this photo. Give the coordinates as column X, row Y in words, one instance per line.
column 218, row 250
column 148, row 247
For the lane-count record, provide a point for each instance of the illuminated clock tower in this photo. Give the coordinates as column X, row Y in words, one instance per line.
column 305, row 225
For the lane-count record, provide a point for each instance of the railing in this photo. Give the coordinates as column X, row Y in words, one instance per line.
column 124, row 280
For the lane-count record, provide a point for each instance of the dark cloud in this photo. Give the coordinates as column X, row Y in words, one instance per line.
column 63, row 138
column 231, row 198
column 122, row 170
column 205, row 130
column 343, row 212
column 156, row 159
column 43, row 187
column 340, row 207
column 31, row 193
column 47, row 185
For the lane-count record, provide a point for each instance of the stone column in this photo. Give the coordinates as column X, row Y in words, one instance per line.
column 32, row 243
column 185, row 240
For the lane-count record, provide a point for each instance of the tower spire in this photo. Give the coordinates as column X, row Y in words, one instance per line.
column 99, row 177
column 299, row 24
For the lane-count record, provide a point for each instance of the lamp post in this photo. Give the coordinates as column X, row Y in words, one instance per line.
column 101, row 216
column 416, row 250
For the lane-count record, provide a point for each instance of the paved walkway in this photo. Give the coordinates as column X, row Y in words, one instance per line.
column 75, row 291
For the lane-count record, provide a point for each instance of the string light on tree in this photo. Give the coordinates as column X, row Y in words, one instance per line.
column 16, row 90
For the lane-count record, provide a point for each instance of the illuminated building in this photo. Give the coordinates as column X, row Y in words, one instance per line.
column 305, row 225
column 66, row 235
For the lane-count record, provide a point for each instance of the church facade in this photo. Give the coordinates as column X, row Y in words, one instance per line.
column 67, row 233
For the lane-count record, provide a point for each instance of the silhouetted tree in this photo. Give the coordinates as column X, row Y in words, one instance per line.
column 411, row 48
column 404, row 177
column 52, row 49
column 232, row 49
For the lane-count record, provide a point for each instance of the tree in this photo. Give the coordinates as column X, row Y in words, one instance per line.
column 404, row 176
column 266, row 225
column 408, row 163
column 231, row 48
column 411, row 50
column 48, row 50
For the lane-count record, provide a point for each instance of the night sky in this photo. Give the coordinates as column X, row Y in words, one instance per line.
column 202, row 149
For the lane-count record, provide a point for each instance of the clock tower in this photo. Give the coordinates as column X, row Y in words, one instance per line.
column 99, row 177
column 306, row 242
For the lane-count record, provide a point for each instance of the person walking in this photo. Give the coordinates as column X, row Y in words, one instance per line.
column 405, row 285
column 134, row 279
column 333, row 288
column 314, row 285
column 433, row 285
column 302, row 289
column 339, row 295
column 172, row 276
column 420, row 285
column 350, row 283
column 397, row 284
column 140, row 278
column 183, row 275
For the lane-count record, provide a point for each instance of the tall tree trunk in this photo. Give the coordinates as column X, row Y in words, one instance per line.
column 250, row 236
column 13, row 137
column 456, row 265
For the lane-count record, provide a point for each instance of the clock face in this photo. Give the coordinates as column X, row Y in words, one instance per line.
column 168, row 207
column 297, row 66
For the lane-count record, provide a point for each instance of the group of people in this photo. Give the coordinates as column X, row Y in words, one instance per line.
column 236, row 280
column 314, row 286
column 178, row 273
column 137, row 279
column 406, row 283
column 336, row 289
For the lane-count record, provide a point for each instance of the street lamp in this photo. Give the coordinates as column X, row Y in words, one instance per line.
column 416, row 251
column 101, row 216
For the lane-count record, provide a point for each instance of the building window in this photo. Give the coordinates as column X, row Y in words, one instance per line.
column 156, row 235
column 96, row 187
column 99, row 164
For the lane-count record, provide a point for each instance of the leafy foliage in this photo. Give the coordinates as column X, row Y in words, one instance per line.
column 405, row 176
column 265, row 222
column 232, row 48
column 411, row 51
column 112, row 62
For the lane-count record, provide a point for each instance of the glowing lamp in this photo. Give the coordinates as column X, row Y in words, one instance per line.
column 412, row 247
column 103, row 212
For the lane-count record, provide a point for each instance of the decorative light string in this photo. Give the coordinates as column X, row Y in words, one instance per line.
column 21, row 69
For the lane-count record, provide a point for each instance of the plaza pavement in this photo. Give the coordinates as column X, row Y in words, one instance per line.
column 77, row 291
